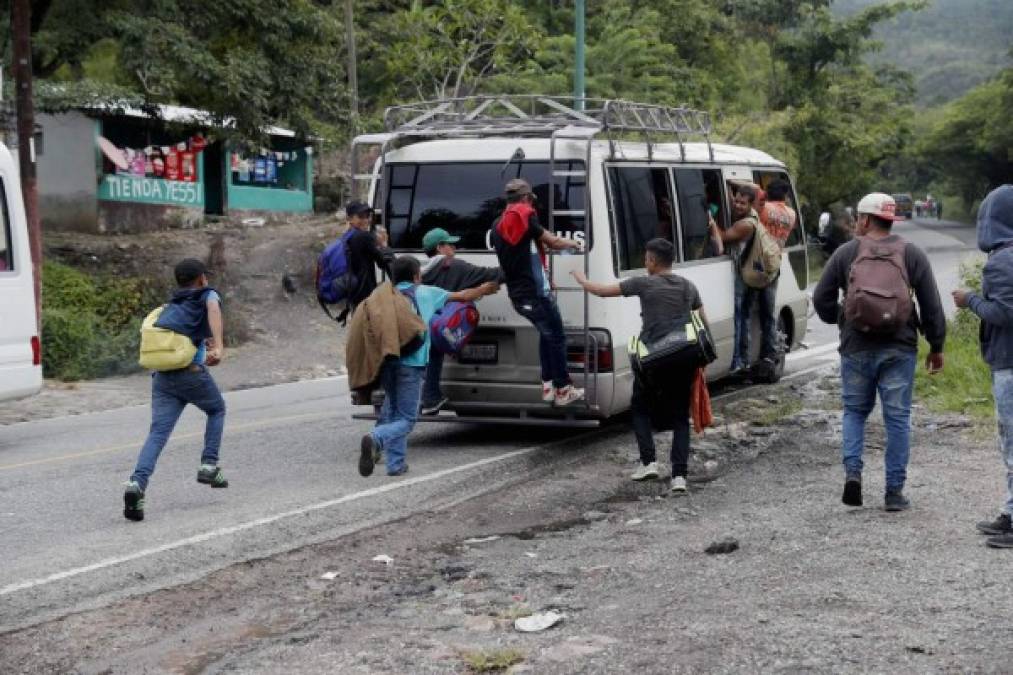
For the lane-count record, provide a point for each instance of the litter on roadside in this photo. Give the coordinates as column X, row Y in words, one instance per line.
column 481, row 540
column 530, row 554
column 635, row 521
column 537, row 622
column 329, row 576
column 385, row 559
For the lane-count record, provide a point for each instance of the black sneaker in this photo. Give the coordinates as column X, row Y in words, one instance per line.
column 1001, row 541
column 852, row 490
column 368, row 453
column 133, row 502
column 896, row 501
column 212, row 475
column 434, row 408
column 1001, row 525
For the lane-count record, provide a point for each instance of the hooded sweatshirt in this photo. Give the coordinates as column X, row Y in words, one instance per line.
column 187, row 314
column 994, row 306
column 453, row 274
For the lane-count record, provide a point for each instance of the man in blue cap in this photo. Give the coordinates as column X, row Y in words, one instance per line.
column 994, row 306
column 444, row 270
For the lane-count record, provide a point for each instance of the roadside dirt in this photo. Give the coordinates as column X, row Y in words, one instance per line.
column 814, row 586
column 282, row 336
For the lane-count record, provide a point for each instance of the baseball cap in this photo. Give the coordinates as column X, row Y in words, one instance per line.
column 358, row 209
column 879, row 204
column 437, row 236
column 187, row 271
column 518, row 186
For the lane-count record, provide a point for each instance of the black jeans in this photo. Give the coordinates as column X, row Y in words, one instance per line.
column 668, row 407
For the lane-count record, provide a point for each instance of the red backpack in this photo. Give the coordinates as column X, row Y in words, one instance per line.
column 878, row 299
column 452, row 326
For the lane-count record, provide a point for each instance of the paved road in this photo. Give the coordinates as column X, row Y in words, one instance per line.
column 289, row 452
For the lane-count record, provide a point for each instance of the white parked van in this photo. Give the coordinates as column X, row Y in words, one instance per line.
column 20, row 365
column 445, row 163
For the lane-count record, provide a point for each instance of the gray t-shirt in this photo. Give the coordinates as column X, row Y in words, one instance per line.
column 663, row 298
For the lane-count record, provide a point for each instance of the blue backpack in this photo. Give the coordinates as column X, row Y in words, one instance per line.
column 334, row 279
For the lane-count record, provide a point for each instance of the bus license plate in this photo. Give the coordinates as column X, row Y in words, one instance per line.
column 479, row 353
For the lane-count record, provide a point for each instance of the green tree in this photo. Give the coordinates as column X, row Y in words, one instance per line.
column 972, row 144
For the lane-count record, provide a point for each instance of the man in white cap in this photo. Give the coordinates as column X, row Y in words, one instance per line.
column 878, row 321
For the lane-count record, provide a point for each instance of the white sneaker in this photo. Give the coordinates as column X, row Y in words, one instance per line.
column 679, row 484
column 646, row 472
column 568, row 394
column 548, row 392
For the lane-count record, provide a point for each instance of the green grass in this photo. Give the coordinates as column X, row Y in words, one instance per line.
column 491, row 660
column 965, row 385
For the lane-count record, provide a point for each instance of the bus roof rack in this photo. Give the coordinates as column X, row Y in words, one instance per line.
column 538, row 116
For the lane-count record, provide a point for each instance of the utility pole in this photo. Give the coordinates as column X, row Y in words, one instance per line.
column 578, row 65
column 21, row 22
column 353, row 76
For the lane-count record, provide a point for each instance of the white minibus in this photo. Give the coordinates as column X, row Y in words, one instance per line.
column 445, row 163
column 20, row 364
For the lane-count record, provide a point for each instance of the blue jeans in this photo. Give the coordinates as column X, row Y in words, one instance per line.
column 431, row 393
column 891, row 372
column 745, row 296
column 543, row 313
column 402, row 389
column 1002, row 389
column 170, row 392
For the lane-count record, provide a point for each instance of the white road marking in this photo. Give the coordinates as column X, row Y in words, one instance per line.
column 267, row 520
column 809, row 353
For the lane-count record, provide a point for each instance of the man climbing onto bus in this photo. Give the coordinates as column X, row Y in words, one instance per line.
column 367, row 251
column 779, row 219
column 520, row 244
column 878, row 272
column 740, row 234
column 445, row 270
column 664, row 297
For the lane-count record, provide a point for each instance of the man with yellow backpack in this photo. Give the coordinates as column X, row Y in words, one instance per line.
column 179, row 341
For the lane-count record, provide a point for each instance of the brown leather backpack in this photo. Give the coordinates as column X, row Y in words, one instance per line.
column 879, row 291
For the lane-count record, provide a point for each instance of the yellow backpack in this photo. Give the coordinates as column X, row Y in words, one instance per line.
column 163, row 349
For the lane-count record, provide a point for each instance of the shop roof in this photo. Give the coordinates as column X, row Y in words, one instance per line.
column 181, row 115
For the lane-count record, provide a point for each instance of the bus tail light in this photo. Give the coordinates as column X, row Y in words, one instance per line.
column 36, row 351
column 599, row 351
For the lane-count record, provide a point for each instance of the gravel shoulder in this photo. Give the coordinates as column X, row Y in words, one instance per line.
column 814, row 586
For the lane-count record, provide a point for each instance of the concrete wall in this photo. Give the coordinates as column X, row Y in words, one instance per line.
column 67, row 172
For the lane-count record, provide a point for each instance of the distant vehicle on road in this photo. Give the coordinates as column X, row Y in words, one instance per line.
column 20, row 350
column 444, row 164
column 905, row 204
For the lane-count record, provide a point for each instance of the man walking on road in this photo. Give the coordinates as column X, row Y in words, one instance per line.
column 194, row 311
column 879, row 338
column 402, row 378
column 664, row 297
column 445, row 270
column 994, row 306
column 520, row 242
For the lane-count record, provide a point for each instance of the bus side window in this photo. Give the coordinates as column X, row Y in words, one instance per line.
column 642, row 207
column 764, row 179
column 699, row 193
column 6, row 237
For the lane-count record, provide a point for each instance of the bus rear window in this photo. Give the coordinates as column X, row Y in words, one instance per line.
column 466, row 199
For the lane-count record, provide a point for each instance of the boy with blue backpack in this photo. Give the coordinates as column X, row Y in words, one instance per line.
column 346, row 270
column 195, row 312
column 445, row 270
column 402, row 378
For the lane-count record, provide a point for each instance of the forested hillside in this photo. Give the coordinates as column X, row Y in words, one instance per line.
column 798, row 78
column 950, row 46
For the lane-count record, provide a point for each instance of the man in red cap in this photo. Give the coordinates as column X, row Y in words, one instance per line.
column 877, row 273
